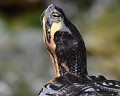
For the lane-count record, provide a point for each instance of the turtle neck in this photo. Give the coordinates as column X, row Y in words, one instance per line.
column 64, row 43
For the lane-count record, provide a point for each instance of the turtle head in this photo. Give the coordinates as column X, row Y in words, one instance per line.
column 52, row 15
column 64, row 43
column 52, row 20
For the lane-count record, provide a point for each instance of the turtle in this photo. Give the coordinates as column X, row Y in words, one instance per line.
column 68, row 53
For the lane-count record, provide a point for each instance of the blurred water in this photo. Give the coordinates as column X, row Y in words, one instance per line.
column 22, row 59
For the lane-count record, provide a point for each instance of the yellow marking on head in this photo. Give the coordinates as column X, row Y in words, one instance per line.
column 44, row 28
column 56, row 15
column 52, row 46
column 54, row 28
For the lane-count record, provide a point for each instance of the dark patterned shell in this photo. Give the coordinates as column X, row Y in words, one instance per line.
column 69, row 85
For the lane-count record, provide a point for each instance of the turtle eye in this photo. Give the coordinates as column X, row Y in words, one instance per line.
column 56, row 15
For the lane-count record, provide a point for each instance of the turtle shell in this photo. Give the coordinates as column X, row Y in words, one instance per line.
column 70, row 85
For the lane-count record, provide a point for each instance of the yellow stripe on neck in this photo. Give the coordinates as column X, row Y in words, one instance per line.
column 54, row 28
column 44, row 28
column 52, row 46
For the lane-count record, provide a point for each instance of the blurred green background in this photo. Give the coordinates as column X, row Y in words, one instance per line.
column 25, row 65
